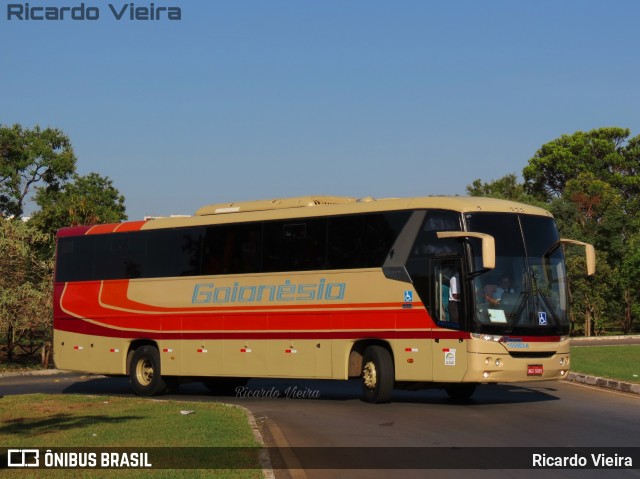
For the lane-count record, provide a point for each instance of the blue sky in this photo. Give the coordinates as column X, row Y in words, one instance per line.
column 255, row 99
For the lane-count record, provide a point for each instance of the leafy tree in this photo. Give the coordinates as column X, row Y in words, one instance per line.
column 591, row 183
column 603, row 152
column 86, row 200
column 39, row 165
column 25, row 285
column 31, row 158
column 629, row 271
column 590, row 296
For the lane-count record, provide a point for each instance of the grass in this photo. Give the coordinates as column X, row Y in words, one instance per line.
column 613, row 362
column 57, row 421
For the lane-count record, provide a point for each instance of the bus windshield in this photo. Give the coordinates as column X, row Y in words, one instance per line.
column 526, row 293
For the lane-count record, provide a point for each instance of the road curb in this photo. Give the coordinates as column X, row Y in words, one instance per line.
column 604, row 383
column 603, row 338
column 34, row 372
column 265, row 460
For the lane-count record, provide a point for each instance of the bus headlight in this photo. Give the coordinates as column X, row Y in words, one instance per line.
column 487, row 337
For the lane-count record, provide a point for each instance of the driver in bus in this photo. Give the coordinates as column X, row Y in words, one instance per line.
column 505, row 286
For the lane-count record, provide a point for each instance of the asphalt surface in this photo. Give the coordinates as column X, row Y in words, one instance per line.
column 565, row 414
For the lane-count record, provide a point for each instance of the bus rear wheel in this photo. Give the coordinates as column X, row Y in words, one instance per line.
column 144, row 372
column 378, row 375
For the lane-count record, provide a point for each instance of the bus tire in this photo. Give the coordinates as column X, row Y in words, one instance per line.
column 144, row 372
column 378, row 375
column 460, row 392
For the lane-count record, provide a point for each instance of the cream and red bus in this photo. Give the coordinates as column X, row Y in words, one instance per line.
column 399, row 292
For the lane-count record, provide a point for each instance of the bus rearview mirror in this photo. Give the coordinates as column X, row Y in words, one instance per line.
column 488, row 245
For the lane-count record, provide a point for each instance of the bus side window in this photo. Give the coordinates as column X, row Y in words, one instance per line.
column 294, row 245
column 427, row 243
column 75, row 258
column 120, row 256
column 363, row 241
column 232, row 249
column 173, row 252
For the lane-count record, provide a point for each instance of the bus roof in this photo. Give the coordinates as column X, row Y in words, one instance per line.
column 311, row 206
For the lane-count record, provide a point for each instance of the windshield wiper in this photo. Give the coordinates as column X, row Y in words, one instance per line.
column 513, row 317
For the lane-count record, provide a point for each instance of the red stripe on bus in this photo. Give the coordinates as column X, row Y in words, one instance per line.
column 72, row 231
column 129, row 226
column 81, row 300
column 83, row 327
column 102, row 229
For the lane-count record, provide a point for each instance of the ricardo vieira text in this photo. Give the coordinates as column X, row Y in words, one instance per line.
column 125, row 11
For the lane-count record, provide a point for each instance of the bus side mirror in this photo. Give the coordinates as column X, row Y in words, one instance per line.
column 589, row 251
column 488, row 245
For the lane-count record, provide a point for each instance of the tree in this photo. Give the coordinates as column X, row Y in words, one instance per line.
column 629, row 271
column 86, row 200
column 603, row 152
column 591, row 183
column 30, row 158
column 506, row 188
column 25, row 285
column 590, row 296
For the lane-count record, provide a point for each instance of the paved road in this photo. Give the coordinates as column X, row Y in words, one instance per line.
column 538, row 415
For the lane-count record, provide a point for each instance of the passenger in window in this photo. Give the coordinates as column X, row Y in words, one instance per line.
column 454, row 298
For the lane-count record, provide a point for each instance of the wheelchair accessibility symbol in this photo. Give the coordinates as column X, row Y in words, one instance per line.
column 542, row 318
column 408, row 296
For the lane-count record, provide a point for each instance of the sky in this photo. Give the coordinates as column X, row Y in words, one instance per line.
column 257, row 99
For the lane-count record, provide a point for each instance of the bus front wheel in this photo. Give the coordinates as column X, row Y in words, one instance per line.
column 378, row 376
column 144, row 372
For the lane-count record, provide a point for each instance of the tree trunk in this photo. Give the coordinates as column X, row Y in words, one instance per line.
column 10, row 342
column 587, row 322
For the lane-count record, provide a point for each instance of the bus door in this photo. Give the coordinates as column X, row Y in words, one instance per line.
column 449, row 312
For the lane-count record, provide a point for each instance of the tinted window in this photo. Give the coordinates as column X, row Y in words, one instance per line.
column 295, row 245
column 145, row 254
column 363, row 241
column 174, row 252
column 232, row 249
column 74, row 259
column 427, row 243
column 356, row 241
column 119, row 256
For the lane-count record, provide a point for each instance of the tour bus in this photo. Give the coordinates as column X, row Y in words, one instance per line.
column 446, row 292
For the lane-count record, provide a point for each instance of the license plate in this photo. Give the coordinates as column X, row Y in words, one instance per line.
column 535, row 370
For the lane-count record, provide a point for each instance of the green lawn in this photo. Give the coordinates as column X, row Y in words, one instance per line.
column 614, row 362
column 56, row 421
